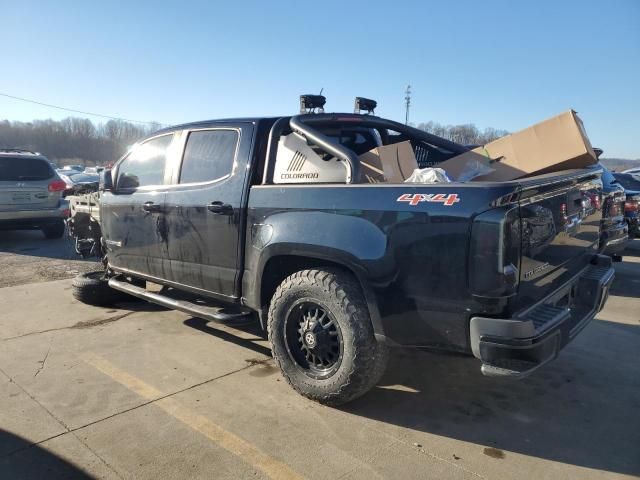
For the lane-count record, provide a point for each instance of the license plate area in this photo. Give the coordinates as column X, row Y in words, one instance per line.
column 21, row 197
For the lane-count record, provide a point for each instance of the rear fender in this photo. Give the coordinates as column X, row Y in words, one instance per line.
column 309, row 240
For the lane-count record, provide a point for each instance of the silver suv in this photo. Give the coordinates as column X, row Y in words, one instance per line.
column 31, row 193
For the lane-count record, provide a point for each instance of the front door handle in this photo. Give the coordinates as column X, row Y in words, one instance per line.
column 220, row 208
column 151, row 207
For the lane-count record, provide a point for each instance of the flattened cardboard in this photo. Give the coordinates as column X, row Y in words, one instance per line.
column 390, row 163
column 559, row 143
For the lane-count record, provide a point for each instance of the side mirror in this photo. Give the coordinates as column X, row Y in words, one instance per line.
column 106, row 181
column 128, row 181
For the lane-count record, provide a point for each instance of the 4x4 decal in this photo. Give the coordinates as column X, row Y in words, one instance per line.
column 414, row 199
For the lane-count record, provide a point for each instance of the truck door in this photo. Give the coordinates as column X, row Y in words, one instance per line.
column 131, row 215
column 205, row 209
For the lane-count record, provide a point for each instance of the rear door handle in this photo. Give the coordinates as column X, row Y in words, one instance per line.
column 151, row 207
column 220, row 208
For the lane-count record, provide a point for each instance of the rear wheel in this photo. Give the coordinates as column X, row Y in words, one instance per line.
column 93, row 289
column 55, row 230
column 322, row 337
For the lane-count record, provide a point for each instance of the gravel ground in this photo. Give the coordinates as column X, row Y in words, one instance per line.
column 27, row 257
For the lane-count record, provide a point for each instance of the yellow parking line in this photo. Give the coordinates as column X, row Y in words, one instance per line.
column 232, row 443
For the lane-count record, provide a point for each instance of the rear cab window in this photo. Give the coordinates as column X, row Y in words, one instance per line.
column 209, row 155
column 145, row 165
column 24, row 169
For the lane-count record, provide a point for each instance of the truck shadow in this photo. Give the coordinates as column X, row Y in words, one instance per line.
column 627, row 281
column 20, row 459
column 580, row 410
column 244, row 335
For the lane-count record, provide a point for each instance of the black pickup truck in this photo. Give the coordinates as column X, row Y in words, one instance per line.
column 271, row 218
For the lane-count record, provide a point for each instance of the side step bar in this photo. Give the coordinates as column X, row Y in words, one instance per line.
column 215, row 314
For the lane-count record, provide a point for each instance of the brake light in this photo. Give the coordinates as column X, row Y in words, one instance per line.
column 57, row 186
column 631, row 206
column 563, row 210
column 494, row 256
column 614, row 209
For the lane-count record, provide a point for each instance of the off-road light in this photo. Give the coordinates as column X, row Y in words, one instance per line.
column 365, row 104
column 309, row 103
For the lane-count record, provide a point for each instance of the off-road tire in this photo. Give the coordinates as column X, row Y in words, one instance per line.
column 53, row 231
column 93, row 288
column 363, row 358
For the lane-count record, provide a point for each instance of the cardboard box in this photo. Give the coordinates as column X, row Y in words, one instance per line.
column 559, row 143
column 390, row 163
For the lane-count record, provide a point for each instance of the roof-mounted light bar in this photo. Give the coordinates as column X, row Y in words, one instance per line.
column 364, row 104
column 310, row 103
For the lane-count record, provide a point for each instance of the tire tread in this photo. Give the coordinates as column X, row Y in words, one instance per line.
column 370, row 357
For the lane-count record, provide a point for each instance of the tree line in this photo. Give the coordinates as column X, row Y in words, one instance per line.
column 74, row 140
column 467, row 134
column 78, row 140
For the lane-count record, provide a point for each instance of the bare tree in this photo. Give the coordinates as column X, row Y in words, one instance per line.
column 74, row 139
column 467, row 134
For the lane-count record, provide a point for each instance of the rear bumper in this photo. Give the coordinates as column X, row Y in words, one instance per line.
column 26, row 219
column 518, row 346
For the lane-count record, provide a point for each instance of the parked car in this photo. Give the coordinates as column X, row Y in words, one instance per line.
column 614, row 234
column 30, row 193
column 95, row 170
column 269, row 217
column 78, row 181
column 632, row 190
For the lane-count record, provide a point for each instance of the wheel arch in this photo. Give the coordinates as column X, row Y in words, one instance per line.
column 280, row 264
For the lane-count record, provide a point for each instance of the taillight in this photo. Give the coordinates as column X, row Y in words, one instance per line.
column 495, row 253
column 594, row 200
column 631, row 206
column 614, row 209
column 563, row 211
column 57, row 186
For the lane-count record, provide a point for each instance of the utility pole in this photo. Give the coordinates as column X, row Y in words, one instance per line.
column 407, row 102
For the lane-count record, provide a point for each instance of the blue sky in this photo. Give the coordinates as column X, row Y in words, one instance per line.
column 503, row 64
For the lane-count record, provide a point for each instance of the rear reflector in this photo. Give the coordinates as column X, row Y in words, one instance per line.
column 57, row 186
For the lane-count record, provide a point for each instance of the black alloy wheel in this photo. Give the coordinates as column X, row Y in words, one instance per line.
column 313, row 338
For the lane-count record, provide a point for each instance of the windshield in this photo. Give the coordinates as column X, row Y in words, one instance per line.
column 16, row 169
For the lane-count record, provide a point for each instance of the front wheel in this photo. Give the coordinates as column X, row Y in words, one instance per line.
column 322, row 337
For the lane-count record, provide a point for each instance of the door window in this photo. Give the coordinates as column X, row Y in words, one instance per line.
column 145, row 164
column 208, row 155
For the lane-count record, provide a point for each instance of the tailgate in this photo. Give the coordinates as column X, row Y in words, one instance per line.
column 560, row 231
column 22, row 196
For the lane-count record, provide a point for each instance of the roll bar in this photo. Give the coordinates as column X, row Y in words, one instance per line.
column 299, row 124
column 304, row 125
